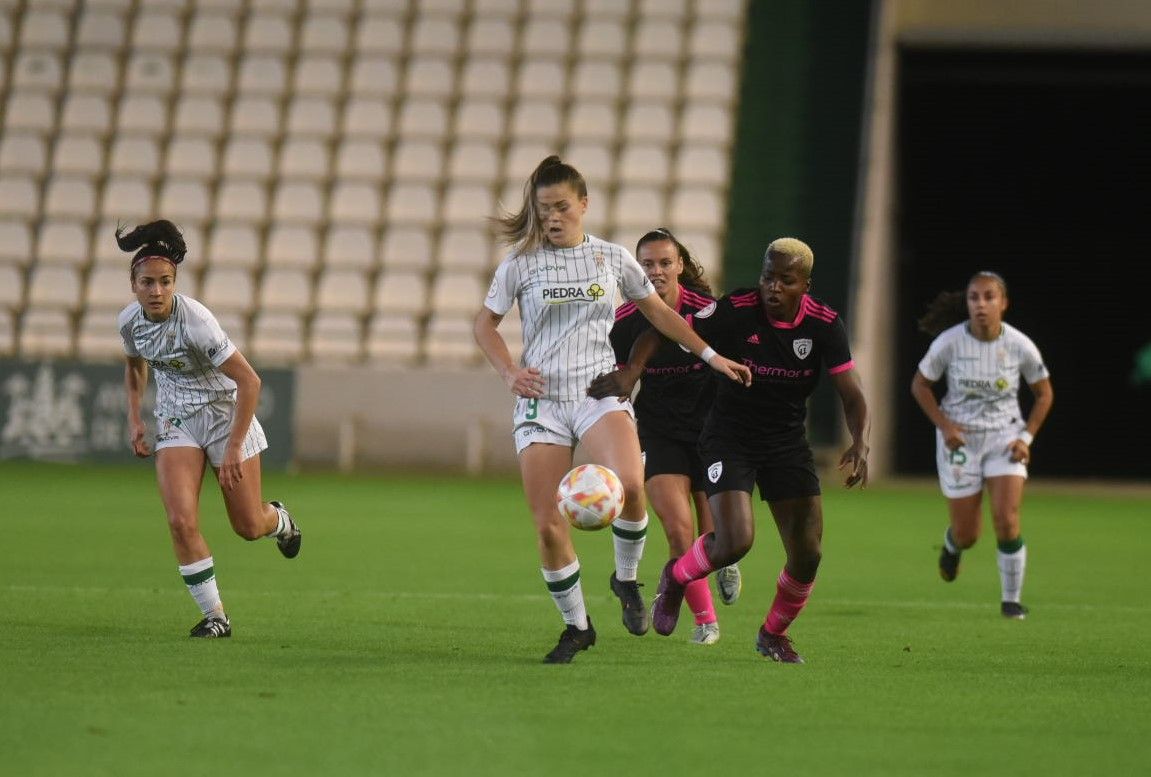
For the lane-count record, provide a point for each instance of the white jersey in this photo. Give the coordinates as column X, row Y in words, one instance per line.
column 185, row 351
column 983, row 377
column 567, row 299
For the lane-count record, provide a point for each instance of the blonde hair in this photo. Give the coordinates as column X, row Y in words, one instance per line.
column 791, row 248
column 522, row 229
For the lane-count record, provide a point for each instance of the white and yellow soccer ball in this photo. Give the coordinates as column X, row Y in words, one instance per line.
column 590, row 497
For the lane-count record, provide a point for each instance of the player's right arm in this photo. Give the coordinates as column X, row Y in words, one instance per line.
column 135, row 380
column 521, row 381
column 925, row 398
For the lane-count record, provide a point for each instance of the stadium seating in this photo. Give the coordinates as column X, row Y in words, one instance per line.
column 334, row 162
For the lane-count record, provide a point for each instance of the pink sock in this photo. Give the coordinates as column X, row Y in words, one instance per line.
column 790, row 597
column 694, row 564
column 697, row 594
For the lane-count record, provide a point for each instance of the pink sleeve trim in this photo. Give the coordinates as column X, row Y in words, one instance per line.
column 841, row 368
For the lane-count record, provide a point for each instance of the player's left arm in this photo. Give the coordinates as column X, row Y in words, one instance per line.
column 673, row 326
column 248, row 383
column 1020, row 449
column 857, row 415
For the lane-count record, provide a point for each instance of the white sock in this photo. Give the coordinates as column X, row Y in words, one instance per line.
column 282, row 525
column 628, row 538
column 200, row 577
column 567, row 593
column 1011, row 568
column 948, row 543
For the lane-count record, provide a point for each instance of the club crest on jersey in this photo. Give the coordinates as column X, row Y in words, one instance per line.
column 801, row 346
column 705, row 312
column 715, row 471
column 598, row 259
column 563, row 294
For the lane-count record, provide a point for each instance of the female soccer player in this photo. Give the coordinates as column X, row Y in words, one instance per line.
column 566, row 282
column 206, row 396
column 980, row 437
column 675, row 394
column 758, row 437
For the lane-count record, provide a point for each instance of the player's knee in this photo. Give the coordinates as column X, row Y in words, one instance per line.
column 634, row 501
column 964, row 538
column 552, row 533
column 183, row 524
column 248, row 526
column 730, row 548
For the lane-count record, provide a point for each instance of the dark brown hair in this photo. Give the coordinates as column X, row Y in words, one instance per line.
column 950, row 307
column 161, row 239
column 692, row 275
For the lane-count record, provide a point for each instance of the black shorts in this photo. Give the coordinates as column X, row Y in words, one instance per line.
column 786, row 473
column 664, row 456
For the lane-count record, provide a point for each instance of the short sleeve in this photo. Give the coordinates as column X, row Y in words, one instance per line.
column 206, row 336
column 628, row 327
column 634, row 284
column 124, row 323
column 714, row 321
column 505, row 286
column 935, row 361
column 1031, row 365
column 837, row 351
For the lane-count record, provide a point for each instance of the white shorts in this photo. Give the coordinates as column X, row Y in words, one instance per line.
column 983, row 455
column 208, row 428
column 561, row 423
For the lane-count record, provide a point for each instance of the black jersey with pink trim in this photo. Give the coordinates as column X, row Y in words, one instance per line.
column 785, row 359
column 677, row 388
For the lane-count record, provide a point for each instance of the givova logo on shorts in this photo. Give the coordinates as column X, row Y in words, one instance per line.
column 562, row 295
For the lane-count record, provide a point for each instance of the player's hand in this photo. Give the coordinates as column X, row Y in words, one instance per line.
column 525, row 382
column 139, row 444
column 952, row 436
column 1019, row 451
column 231, row 471
column 618, row 383
column 740, row 373
column 854, row 460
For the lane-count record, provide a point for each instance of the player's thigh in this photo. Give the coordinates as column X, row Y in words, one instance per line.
column 799, row 521
column 243, row 501
column 542, row 466
column 612, row 441
column 179, row 474
column 734, row 516
column 703, row 518
column 1005, row 494
column 670, row 497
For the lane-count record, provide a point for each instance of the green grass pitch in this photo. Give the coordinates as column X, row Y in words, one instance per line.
column 406, row 640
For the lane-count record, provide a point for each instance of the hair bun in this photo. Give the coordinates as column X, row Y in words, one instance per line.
column 156, row 238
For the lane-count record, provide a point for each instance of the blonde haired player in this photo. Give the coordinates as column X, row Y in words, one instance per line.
column 981, row 439
column 206, row 396
column 565, row 283
column 757, row 437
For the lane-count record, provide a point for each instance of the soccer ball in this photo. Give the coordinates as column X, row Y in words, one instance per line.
column 590, row 497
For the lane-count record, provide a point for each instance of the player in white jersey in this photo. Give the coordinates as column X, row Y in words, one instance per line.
column 206, row 397
column 565, row 283
column 981, row 437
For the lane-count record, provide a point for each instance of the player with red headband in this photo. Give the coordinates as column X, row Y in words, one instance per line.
column 206, row 397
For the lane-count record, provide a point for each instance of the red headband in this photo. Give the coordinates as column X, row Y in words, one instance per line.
column 140, row 259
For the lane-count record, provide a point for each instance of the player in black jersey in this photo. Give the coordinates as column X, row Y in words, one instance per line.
column 756, row 436
column 674, row 395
